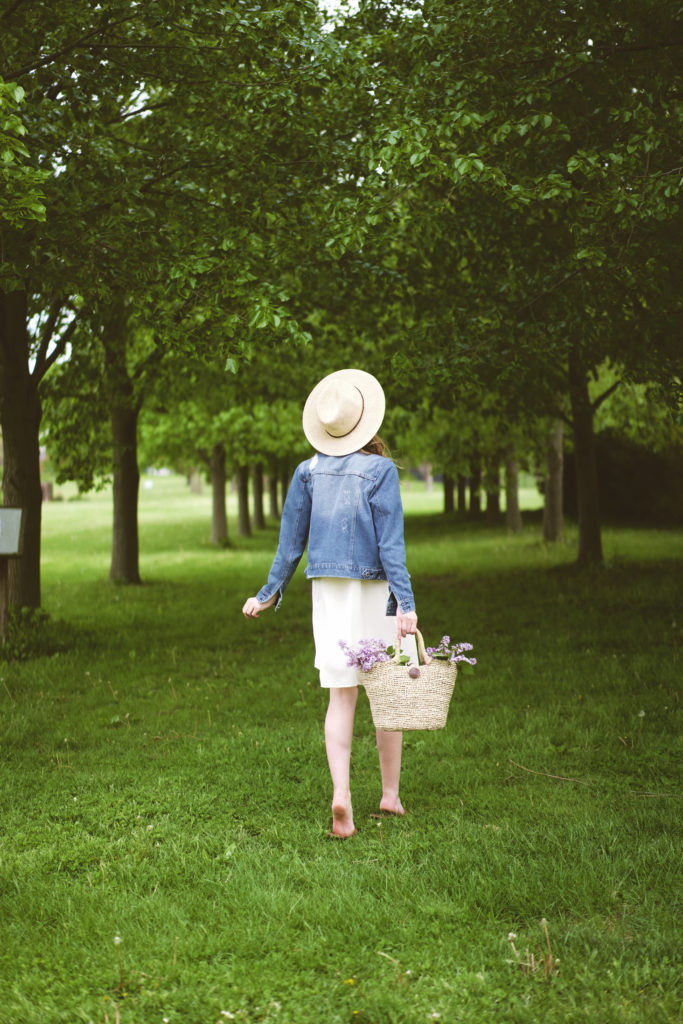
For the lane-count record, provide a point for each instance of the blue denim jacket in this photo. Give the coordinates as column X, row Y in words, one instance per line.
column 348, row 509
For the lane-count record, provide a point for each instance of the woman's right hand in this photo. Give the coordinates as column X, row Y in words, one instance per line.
column 252, row 608
column 406, row 622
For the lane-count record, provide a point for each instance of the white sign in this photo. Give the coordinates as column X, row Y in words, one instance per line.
column 10, row 530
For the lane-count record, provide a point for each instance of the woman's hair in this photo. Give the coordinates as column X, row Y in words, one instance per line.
column 376, row 446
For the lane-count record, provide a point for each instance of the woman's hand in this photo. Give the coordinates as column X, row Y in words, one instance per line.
column 252, row 608
column 406, row 622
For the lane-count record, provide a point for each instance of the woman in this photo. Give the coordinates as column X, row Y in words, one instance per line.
column 345, row 503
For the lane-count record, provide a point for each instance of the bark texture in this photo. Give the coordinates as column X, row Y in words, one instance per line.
column 475, row 486
column 20, row 415
column 124, row 411
column 492, row 484
column 590, row 539
column 462, row 493
column 243, row 517
column 513, row 515
column 219, row 516
column 125, row 550
column 553, row 516
column 273, row 506
column 448, row 493
column 284, row 479
column 259, row 516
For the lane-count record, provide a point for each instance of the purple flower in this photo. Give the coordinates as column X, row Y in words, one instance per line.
column 453, row 653
column 368, row 654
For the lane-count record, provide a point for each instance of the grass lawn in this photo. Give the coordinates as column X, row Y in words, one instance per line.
column 164, row 783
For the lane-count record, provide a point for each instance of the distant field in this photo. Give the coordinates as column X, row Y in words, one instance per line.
column 154, row 489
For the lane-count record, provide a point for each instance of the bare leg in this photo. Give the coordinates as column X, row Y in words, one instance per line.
column 338, row 737
column 389, row 746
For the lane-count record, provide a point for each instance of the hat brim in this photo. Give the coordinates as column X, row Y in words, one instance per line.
column 374, row 405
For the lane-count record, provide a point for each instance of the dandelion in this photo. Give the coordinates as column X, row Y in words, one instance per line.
column 117, row 940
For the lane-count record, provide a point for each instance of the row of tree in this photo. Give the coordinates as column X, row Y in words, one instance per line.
column 480, row 203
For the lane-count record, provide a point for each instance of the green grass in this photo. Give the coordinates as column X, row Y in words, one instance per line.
column 164, row 780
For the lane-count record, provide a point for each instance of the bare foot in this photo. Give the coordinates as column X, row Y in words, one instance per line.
column 391, row 805
column 342, row 821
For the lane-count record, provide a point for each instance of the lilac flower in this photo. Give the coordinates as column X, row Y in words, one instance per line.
column 453, row 653
column 368, row 654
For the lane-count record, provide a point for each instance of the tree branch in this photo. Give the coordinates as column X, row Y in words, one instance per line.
column 45, row 361
column 153, row 359
column 9, row 11
column 67, row 48
column 140, row 110
column 49, row 326
column 605, row 395
column 552, row 288
column 637, row 47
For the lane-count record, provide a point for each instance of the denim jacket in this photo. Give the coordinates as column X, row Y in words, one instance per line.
column 348, row 509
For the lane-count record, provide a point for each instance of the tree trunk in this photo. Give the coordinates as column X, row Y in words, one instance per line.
column 493, row 491
column 243, row 518
column 513, row 516
column 20, row 415
column 284, row 479
column 448, row 493
column 259, row 517
column 462, row 493
column 553, row 521
column 125, row 564
column 426, row 470
column 124, row 411
column 590, row 540
column 475, row 486
column 219, row 517
column 272, row 491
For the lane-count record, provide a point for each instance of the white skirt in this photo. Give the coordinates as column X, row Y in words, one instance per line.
column 350, row 610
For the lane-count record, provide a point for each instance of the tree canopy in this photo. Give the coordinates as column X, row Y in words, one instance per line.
column 459, row 196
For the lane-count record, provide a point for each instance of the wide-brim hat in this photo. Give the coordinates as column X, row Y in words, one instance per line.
column 343, row 412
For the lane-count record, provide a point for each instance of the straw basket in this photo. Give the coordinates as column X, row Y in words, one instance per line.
column 398, row 702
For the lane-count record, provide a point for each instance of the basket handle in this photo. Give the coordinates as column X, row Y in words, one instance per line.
column 422, row 655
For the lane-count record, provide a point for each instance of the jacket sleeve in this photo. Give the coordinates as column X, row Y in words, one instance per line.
column 387, row 514
column 294, row 526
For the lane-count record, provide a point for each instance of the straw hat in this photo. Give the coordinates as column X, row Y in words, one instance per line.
column 343, row 412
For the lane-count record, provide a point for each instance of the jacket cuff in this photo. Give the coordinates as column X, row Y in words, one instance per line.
column 266, row 592
column 407, row 604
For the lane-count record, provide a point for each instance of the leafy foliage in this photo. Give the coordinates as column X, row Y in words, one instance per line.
column 21, row 195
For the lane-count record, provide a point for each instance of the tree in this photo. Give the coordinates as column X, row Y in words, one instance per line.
column 155, row 190
column 530, row 152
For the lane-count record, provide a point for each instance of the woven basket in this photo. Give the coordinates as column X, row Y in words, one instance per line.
column 398, row 702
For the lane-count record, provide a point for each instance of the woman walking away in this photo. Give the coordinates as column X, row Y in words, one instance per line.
column 345, row 503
